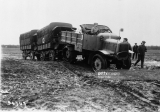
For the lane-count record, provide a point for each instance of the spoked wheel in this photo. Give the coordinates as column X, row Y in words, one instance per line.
column 52, row 55
column 42, row 56
column 32, row 55
column 69, row 55
column 24, row 56
column 98, row 63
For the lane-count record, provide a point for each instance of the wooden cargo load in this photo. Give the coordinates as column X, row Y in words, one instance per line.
column 72, row 38
column 49, row 36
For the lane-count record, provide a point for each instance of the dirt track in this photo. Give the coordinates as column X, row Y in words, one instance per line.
column 60, row 86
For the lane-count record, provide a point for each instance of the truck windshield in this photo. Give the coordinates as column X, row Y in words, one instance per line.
column 105, row 31
column 102, row 28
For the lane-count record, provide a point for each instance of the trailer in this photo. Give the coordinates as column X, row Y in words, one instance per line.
column 27, row 43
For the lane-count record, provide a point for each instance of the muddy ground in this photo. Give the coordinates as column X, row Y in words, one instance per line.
column 60, row 86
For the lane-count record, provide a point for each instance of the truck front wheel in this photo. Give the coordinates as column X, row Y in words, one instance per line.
column 98, row 62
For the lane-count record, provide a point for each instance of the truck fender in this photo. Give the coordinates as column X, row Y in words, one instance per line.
column 98, row 52
column 106, row 52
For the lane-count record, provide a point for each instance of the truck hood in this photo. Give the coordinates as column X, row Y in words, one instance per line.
column 109, row 36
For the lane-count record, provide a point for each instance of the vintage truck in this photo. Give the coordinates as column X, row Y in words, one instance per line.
column 98, row 50
column 59, row 40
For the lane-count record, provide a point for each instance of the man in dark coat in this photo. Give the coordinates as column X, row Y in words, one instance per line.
column 135, row 50
column 125, row 40
column 141, row 53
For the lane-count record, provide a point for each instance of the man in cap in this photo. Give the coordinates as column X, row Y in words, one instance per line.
column 94, row 29
column 125, row 40
column 135, row 50
column 141, row 53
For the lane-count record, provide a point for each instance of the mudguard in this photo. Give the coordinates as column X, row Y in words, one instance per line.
column 106, row 52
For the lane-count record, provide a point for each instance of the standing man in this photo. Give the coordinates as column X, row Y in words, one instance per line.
column 141, row 53
column 125, row 40
column 94, row 29
column 135, row 50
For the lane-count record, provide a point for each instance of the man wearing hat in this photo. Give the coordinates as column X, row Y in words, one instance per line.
column 141, row 53
column 135, row 50
column 94, row 29
column 125, row 40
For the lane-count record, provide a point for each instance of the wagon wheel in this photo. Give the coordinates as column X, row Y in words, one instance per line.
column 24, row 56
column 42, row 56
column 32, row 55
column 69, row 55
column 52, row 55
column 38, row 57
column 98, row 63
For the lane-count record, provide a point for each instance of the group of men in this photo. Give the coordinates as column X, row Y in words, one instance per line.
column 139, row 52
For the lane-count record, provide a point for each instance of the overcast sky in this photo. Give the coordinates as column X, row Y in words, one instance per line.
column 140, row 19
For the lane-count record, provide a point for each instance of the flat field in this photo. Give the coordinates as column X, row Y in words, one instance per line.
column 153, row 55
column 60, row 86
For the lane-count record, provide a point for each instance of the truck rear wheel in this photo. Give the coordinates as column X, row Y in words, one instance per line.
column 98, row 63
column 52, row 55
column 127, row 64
column 42, row 56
